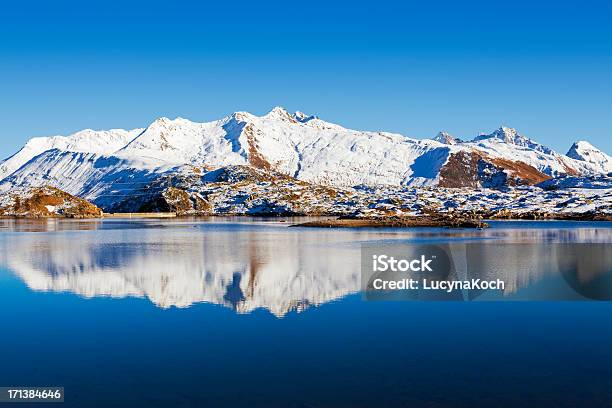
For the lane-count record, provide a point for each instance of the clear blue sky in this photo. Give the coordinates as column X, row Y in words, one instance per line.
column 412, row 67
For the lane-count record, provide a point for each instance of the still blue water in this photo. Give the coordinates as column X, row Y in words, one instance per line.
column 246, row 313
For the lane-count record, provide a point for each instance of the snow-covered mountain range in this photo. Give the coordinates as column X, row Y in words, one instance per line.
column 103, row 166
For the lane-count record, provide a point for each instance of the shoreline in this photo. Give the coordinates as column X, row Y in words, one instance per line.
column 396, row 222
column 335, row 221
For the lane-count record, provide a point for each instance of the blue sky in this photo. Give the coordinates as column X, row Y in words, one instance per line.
column 409, row 67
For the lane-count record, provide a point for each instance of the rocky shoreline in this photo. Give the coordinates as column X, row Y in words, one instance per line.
column 49, row 202
column 396, row 222
column 246, row 191
column 46, row 202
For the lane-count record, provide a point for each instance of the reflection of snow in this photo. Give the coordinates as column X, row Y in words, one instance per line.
column 247, row 266
column 241, row 269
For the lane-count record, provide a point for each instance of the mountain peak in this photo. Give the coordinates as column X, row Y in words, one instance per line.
column 446, row 138
column 278, row 112
column 161, row 122
column 295, row 144
column 512, row 136
column 162, row 119
column 241, row 116
column 505, row 133
column 586, row 152
column 580, row 145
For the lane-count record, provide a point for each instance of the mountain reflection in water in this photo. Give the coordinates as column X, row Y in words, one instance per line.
column 242, row 263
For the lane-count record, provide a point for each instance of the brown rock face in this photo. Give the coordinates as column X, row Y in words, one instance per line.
column 461, row 170
column 475, row 169
column 174, row 200
column 525, row 173
column 178, row 200
column 49, row 201
column 255, row 158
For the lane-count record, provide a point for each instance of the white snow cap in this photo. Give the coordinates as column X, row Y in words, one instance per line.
column 278, row 112
column 295, row 144
column 586, row 152
column 507, row 134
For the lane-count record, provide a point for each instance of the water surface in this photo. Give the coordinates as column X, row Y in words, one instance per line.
column 248, row 312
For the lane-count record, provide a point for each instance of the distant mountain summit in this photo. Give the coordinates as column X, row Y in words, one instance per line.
column 586, row 152
column 447, row 138
column 513, row 137
column 104, row 165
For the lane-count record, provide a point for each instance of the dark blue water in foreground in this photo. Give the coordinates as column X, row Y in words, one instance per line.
column 128, row 344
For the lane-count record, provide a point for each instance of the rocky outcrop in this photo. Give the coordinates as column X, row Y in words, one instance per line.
column 448, row 220
column 244, row 190
column 43, row 202
column 168, row 200
column 183, row 203
column 461, row 170
column 519, row 172
column 256, row 159
column 476, row 169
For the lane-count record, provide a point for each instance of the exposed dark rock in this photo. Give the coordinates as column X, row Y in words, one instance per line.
column 475, row 169
column 437, row 220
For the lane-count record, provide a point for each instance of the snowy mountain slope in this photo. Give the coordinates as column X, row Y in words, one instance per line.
column 97, row 178
column 549, row 164
column 585, row 152
column 96, row 164
column 183, row 141
column 88, row 141
column 302, row 146
column 507, row 143
column 341, row 157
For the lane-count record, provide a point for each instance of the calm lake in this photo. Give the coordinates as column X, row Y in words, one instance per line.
column 245, row 312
